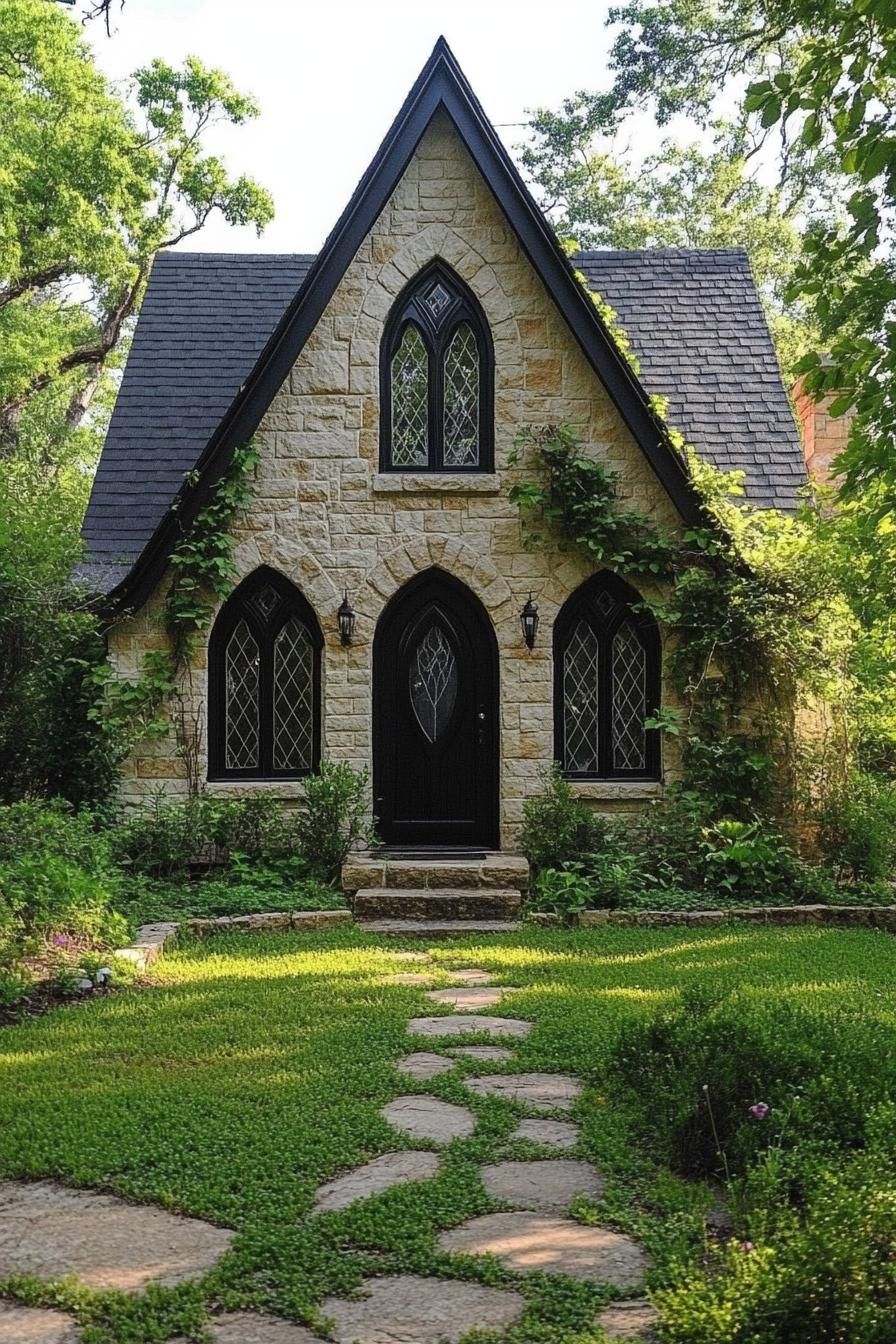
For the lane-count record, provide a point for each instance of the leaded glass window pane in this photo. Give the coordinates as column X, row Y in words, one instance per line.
column 629, row 701
column 433, row 682
column 462, row 399
column 293, row 698
column 580, row 693
column 241, row 679
column 410, row 401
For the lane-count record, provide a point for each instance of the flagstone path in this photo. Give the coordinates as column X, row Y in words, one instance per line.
column 50, row 1231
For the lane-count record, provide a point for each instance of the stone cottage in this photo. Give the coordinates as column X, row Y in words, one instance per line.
column 384, row 613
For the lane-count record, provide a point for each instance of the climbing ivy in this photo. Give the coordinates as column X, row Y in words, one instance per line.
column 750, row 603
column 202, row 571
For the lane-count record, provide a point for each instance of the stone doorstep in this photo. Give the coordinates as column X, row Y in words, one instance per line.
column 437, row 903
column 430, row 928
column 364, row 871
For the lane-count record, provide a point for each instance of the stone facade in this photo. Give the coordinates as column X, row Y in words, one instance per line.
column 324, row 516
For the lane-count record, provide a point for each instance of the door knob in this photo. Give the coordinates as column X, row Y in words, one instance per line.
column 481, row 716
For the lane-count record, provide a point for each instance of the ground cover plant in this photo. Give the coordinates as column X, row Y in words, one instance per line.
column 687, row 852
column 255, row 1070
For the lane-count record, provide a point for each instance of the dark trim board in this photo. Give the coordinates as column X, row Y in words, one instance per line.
column 440, row 87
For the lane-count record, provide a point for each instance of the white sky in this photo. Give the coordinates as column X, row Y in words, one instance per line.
column 331, row 74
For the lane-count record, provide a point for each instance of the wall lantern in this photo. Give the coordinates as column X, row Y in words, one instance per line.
column 529, row 622
column 346, row 619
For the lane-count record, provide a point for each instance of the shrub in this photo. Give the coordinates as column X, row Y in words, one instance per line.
column 46, row 894
column 749, row 861
column 562, row 891
column 15, row 986
column 165, row 840
column 857, row 827
column 559, row 828
column 333, row 818
column 694, row 1073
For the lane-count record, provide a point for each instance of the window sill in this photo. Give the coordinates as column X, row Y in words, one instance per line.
column 244, row 788
column 437, row 483
column 622, row 790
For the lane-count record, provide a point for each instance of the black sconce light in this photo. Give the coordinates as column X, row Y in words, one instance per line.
column 529, row 622
column 346, row 619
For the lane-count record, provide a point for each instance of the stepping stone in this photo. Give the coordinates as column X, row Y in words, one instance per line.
column 49, row 1231
column 548, row 1186
column 492, row 1054
column 470, row 975
column 629, row 1320
column 464, row 1024
column 373, row 1178
column 424, row 1064
column 561, row 1134
column 408, row 978
column 468, row 997
column 530, row 1241
column 429, row 1118
column 407, row 956
column 34, row 1325
column 249, row 1327
column 405, row 1309
column 542, row 1091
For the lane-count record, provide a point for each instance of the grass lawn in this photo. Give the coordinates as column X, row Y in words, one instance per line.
column 255, row 1068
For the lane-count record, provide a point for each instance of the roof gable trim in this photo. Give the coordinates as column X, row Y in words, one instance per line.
column 441, row 85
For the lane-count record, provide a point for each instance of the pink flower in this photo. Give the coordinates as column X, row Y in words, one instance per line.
column 759, row 1111
column 747, row 1247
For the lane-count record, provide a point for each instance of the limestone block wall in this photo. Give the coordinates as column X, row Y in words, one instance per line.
column 325, row 517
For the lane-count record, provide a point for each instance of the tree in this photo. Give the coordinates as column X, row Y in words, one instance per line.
column 90, row 190
column 728, row 180
column 682, row 195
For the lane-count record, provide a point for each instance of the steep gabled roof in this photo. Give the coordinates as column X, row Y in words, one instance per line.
column 441, row 86
column 696, row 324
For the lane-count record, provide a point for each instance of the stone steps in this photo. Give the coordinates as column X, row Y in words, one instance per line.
column 364, row 871
column 440, row 903
column 432, row 928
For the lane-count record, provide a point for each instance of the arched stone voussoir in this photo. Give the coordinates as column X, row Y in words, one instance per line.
column 455, row 557
column 295, row 563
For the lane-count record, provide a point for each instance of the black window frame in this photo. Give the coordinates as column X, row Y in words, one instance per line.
column 242, row 605
column 628, row 608
column 410, row 309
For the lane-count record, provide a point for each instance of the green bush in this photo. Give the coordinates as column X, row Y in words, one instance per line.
column 819, row 1274
column 559, row 828
column 333, row 818
column 693, row 1074
column 857, row 828
column 166, row 839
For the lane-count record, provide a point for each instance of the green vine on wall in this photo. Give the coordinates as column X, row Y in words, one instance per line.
column 202, row 571
column 749, row 603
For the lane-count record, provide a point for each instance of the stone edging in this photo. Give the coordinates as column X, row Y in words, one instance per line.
column 838, row 916
column 152, row 939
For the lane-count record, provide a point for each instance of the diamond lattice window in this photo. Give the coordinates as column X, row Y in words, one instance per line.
column 264, row 682
column 629, row 701
column 437, row 381
column 293, row 698
column 241, row 692
column 580, row 701
column 607, row 685
column 410, row 401
column 462, row 399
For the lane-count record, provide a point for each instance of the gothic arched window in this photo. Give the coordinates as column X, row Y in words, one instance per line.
column 436, row 379
column 606, row 683
column 264, row 683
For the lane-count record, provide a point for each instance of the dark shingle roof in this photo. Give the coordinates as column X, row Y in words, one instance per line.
column 204, row 321
column 698, row 329
column 694, row 319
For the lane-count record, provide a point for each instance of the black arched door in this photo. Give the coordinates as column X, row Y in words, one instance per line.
column 435, row 717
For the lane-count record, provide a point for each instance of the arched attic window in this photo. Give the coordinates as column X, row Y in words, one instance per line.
column 436, row 379
column 606, row 683
column 264, row 683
